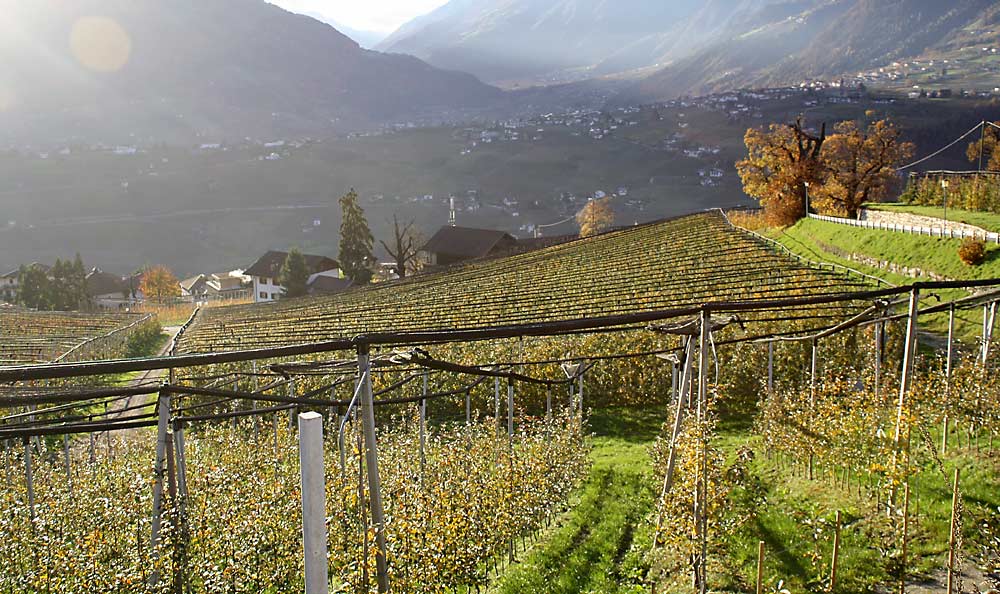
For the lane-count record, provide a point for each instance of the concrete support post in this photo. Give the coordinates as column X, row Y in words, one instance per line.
column 313, row 501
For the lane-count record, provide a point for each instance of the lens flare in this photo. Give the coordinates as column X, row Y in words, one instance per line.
column 100, row 44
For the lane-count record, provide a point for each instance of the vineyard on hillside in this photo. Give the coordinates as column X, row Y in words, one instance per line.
column 787, row 393
column 28, row 337
column 677, row 263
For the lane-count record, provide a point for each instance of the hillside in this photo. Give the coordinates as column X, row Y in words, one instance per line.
column 709, row 261
column 824, row 42
column 118, row 71
column 685, row 47
column 512, row 40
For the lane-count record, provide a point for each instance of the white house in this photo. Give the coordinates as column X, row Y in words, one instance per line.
column 265, row 272
column 8, row 286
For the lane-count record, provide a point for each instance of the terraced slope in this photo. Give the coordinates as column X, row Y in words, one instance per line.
column 676, row 263
column 28, row 337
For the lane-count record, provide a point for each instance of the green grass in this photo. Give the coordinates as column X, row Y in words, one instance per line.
column 599, row 545
column 830, row 242
column 986, row 220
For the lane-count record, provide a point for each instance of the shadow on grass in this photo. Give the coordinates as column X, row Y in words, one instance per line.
column 633, row 425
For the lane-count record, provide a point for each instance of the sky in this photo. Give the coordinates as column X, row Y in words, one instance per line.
column 383, row 16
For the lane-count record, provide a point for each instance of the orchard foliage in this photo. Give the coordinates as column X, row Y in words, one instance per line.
column 243, row 534
column 969, row 192
column 678, row 263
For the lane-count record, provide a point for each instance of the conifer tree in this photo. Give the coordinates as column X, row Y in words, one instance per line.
column 356, row 241
column 294, row 275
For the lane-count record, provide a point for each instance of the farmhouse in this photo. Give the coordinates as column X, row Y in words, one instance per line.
column 451, row 245
column 107, row 291
column 8, row 285
column 212, row 287
column 265, row 272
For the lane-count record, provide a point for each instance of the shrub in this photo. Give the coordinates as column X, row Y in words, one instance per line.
column 972, row 252
column 145, row 339
column 754, row 220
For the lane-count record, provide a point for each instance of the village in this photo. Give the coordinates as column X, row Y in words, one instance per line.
column 261, row 281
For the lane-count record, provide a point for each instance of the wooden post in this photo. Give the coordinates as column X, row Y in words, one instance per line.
column 510, row 410
column 673, row 381
column 760, row 567
column 836, row 553
column 163, row 417
column 313, row 501
column 953, row 539
column 812, row 392
column 496, row 403
column 181, row 463
column 770, row 369
column 947, row 379
column 422, row 408
column 909, row 354
column 371, row 462
column 69, row 470
column 879, row 340
column 702, row 515
column 6, row 462
column 292, row 411
column 29, row 481
column 253, row 403
column 682, row 398
column 989, row 320
column 906, row 535
column 812, row 374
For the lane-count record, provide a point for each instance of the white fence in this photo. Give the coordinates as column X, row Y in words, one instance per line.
column 950, row 232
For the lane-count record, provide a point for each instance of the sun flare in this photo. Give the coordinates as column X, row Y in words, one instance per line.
column 100, row 44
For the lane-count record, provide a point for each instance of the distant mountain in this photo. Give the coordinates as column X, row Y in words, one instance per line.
column 819, row 40
column 681, row 46
column 366, row 39
column 513, row 40
column 124, row 70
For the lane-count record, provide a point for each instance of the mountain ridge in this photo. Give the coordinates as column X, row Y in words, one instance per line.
column 203, row 69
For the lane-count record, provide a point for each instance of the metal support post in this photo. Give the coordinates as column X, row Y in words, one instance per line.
column 159, row 468
column 371, row 462
column 904, row 385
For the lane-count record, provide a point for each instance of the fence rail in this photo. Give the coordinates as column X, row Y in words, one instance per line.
column 943, row 231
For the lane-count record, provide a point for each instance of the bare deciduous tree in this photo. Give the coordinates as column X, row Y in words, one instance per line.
column 404, row 247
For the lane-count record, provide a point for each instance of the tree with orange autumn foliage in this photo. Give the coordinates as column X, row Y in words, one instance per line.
column 595, row 218
column 159, row 284
column 859, row 166
column 782, row 162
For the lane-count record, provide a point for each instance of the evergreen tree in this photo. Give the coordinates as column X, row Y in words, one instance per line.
column 356, row 241
column 78, row 282
column 294, row 275
column 34, row 288
column 57, row 286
